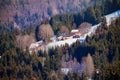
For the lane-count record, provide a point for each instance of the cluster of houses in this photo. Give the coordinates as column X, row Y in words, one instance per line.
column 76, row 34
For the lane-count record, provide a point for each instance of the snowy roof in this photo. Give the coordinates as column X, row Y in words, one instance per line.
column 74, row 30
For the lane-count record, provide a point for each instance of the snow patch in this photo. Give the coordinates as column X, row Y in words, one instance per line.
column 61, row 43
column 112, row 16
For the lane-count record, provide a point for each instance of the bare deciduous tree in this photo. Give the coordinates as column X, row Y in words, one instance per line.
column 88, row 66
column 64, row 29
column 24, row 41
column 45, row 32
column 85, row 25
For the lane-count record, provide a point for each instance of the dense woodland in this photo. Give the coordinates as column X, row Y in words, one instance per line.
column 104, row 48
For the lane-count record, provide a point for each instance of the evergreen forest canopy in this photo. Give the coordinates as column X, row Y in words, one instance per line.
column 104, row 47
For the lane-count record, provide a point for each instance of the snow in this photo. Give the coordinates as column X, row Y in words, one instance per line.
column 89, row 79
column 74, row 31
column 71, row 40
column 112, row 16
column 61, row 43
column 65, row 70
column 93, row 29
column 33, row 45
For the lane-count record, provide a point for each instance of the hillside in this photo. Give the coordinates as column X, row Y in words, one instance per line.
column 59, row 40
column 31, row 12
column 82, row 33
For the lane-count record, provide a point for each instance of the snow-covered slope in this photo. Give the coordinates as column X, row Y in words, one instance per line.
column 93, row 29
column 112, row 16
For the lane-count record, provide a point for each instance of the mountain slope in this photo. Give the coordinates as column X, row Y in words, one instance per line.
column 26, row 12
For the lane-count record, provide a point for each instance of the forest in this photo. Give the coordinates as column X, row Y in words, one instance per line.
column 104, row 48
column 101, row 52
